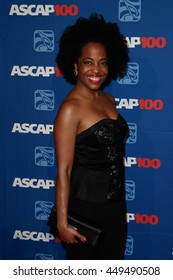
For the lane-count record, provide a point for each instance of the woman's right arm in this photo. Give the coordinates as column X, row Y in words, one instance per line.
column 65, row 129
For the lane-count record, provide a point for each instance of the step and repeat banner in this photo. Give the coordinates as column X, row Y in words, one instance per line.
column 32, row 90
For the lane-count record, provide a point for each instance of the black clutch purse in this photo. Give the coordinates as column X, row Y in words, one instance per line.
column 92, row 232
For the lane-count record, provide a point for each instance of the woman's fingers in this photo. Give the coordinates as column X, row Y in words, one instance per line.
column 78, row 235
column 70, row 234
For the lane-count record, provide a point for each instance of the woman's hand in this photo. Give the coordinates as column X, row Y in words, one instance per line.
column 69, row 234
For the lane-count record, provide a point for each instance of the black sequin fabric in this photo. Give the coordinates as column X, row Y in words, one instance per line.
column 98, row 172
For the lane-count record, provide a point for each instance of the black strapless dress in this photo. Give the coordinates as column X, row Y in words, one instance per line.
column 97, row 189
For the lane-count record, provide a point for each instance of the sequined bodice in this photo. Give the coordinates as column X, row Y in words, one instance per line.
column 98, row 171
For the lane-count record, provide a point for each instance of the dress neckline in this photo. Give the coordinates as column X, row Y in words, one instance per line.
column 96, row 124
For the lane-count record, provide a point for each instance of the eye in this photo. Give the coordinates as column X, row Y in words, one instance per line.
column 87, row 62
column 104, row 63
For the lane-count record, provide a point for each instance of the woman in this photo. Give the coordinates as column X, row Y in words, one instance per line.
column 89, row 138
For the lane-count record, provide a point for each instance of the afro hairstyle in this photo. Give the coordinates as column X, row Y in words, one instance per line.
column 87, row 30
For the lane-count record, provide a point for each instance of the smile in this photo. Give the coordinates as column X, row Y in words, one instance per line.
column 95, row 79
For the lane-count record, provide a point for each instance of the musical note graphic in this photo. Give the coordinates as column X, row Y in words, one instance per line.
column 129, row 10
column 44, row 100
column 44, row 156
column 132, row 75
column 44, row 40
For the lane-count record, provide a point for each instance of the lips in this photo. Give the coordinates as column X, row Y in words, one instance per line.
column 95, row 79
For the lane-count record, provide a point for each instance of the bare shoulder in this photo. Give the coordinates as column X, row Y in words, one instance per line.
column 110, row 97
column 68, row 107
column 68, row 114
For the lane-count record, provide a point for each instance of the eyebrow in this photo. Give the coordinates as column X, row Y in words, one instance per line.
column 92, row 58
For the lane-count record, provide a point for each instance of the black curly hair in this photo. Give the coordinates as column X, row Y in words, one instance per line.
column 92, row 29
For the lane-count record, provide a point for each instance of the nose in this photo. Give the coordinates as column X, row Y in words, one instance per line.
column 96, row 68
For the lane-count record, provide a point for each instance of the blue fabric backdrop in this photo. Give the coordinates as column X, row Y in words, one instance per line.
column 31, row 92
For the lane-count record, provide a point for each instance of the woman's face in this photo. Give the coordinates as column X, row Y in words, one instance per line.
column 92, row 66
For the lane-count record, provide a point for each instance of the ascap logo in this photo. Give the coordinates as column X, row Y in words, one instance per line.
column 32, row 235
column 132, row 133
column 32, row 10
column 143, row 104
column 44, row 156
column 43, row 209
column 43, row 40
column 35, row 71
column 33, row 183
column 130, row 189
column 129, row 11
column 43, row 10
column 129, row 245
column 41, row 256
column 146, row 42
column 143, row 218
column 132, row 75
column 44, row 100
column 32, row 128
column 142, row 162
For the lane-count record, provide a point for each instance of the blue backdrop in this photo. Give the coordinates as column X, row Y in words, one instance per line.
column 31, row 92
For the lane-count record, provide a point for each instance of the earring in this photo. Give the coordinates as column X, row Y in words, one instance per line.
column 75, row 72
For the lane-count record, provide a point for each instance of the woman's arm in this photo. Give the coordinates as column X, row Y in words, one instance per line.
column 65, row 129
